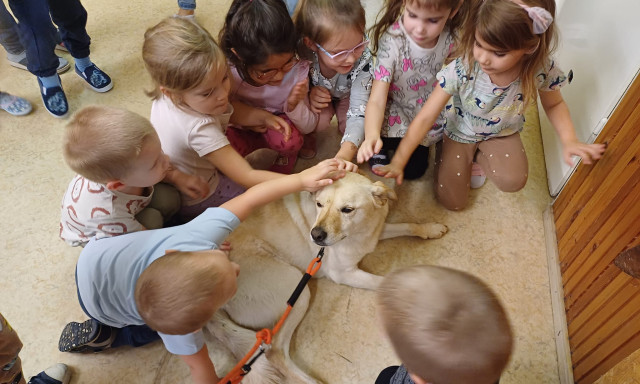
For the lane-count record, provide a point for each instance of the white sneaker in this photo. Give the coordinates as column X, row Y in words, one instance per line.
column 55, row 374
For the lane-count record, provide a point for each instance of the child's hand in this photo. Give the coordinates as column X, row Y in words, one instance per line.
column 390, row 171
column 196, row 187
column 368, row 148
column 272, row 121
column 226, row 247
column 587, row 152
column 298, row 93
column 324, row 173
column 319, row 99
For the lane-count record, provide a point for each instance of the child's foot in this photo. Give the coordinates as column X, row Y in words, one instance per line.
column 186, row 14
column 308, row 150
column 262, row 158
column 90, row 336
column 15, row 105
column 20, row 61
column 54, row 99
column 478, row 177
column 378, row 160
column 55, row 374
column 96, row 78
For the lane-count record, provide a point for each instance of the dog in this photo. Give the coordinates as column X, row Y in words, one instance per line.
column 278, row 241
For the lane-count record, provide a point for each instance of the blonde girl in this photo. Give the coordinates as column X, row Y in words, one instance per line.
column 334, row 33
column 506, row 48
column 412, row 39
column 191, row 111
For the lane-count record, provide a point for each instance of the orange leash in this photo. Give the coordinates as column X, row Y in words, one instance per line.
column 265, row 336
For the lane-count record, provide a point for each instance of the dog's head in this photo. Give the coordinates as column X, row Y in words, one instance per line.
column 353, row 205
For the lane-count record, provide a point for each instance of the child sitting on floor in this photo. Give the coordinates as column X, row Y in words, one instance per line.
column 120, row 165
column 446, row 326
column 167, row 283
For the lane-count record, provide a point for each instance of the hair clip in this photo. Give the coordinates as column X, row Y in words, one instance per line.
column 541, row 18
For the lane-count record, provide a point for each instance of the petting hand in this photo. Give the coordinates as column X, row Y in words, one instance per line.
column 319, row 99
column 226, row 247
column 196, row 187
column 272, row 121
column 298, row 93
column 587, row 152
column 324, row 173
column 390, row 171
column 369, row 148
column 256, row 128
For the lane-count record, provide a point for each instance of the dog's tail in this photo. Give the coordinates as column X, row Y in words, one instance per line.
column 240, row 340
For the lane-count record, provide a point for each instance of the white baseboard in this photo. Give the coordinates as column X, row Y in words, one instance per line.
column 561, row 332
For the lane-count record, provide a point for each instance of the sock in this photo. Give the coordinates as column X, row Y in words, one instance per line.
column 83, row 63
column 50, row 81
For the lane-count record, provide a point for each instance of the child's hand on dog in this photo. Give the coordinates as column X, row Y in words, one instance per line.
column 324, row 173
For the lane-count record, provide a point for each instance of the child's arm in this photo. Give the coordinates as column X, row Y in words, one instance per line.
column 201, row 367
column 236, row 167
column 417, row 129
column 373, row 120
column 311, row 179
column 558, row 113
column 192, row 186
column 248, row 116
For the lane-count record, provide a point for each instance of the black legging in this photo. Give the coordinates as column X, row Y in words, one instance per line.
column 418, row 162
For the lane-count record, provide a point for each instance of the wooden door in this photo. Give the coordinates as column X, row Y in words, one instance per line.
column 597, row 216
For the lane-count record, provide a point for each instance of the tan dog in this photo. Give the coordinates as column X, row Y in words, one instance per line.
column 279, row 241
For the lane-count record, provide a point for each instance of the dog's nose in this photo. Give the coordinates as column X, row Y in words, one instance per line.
column 318, row 235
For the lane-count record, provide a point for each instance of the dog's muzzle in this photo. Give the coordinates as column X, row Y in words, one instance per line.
column 319, row 235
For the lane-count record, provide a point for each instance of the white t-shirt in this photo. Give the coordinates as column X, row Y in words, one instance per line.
column 89, row 209
column 411, row 71
column 187, row 136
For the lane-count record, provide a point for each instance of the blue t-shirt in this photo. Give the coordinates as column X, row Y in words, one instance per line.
column 108, row 270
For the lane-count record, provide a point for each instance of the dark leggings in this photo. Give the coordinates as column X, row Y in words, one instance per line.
column 418, row 162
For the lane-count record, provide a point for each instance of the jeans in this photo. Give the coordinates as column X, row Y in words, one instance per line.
column 187, row 4
column 38, row 34
column 9, row 37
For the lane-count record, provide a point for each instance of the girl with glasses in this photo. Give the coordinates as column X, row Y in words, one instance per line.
column 260, row 42
column 412, row 39
column 334, row 33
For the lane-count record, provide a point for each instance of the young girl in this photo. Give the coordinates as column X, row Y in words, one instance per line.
column 268, row 77
column 333, row 31
column 412, row 39
column 505, row 58
column 191, row 110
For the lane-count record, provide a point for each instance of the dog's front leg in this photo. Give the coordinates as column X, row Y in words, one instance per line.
column 355, row 277
column 425, row 230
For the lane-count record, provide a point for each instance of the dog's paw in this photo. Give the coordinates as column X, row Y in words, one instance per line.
column 433, row 230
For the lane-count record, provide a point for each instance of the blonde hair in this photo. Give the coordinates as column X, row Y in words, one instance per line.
column 176, row 293
column 392, row 10
column 446, row 326
column 178, row 54
column 318, row 20
column 505, row 25
column 102, row 143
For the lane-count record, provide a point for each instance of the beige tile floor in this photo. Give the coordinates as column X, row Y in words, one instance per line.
column 499, row 237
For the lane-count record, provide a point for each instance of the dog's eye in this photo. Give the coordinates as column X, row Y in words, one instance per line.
column 346, row 210
column 318, row 204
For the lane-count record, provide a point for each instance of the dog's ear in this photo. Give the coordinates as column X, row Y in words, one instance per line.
column 382, row 194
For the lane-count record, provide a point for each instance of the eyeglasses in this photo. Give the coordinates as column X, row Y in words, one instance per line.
column 266, row 75
column 342, row 55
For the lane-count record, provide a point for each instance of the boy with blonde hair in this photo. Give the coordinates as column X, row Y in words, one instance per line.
column 167, row 283
column 445, row 325
column 120, row 165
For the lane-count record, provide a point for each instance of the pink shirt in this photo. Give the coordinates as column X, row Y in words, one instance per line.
column 273, row 98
